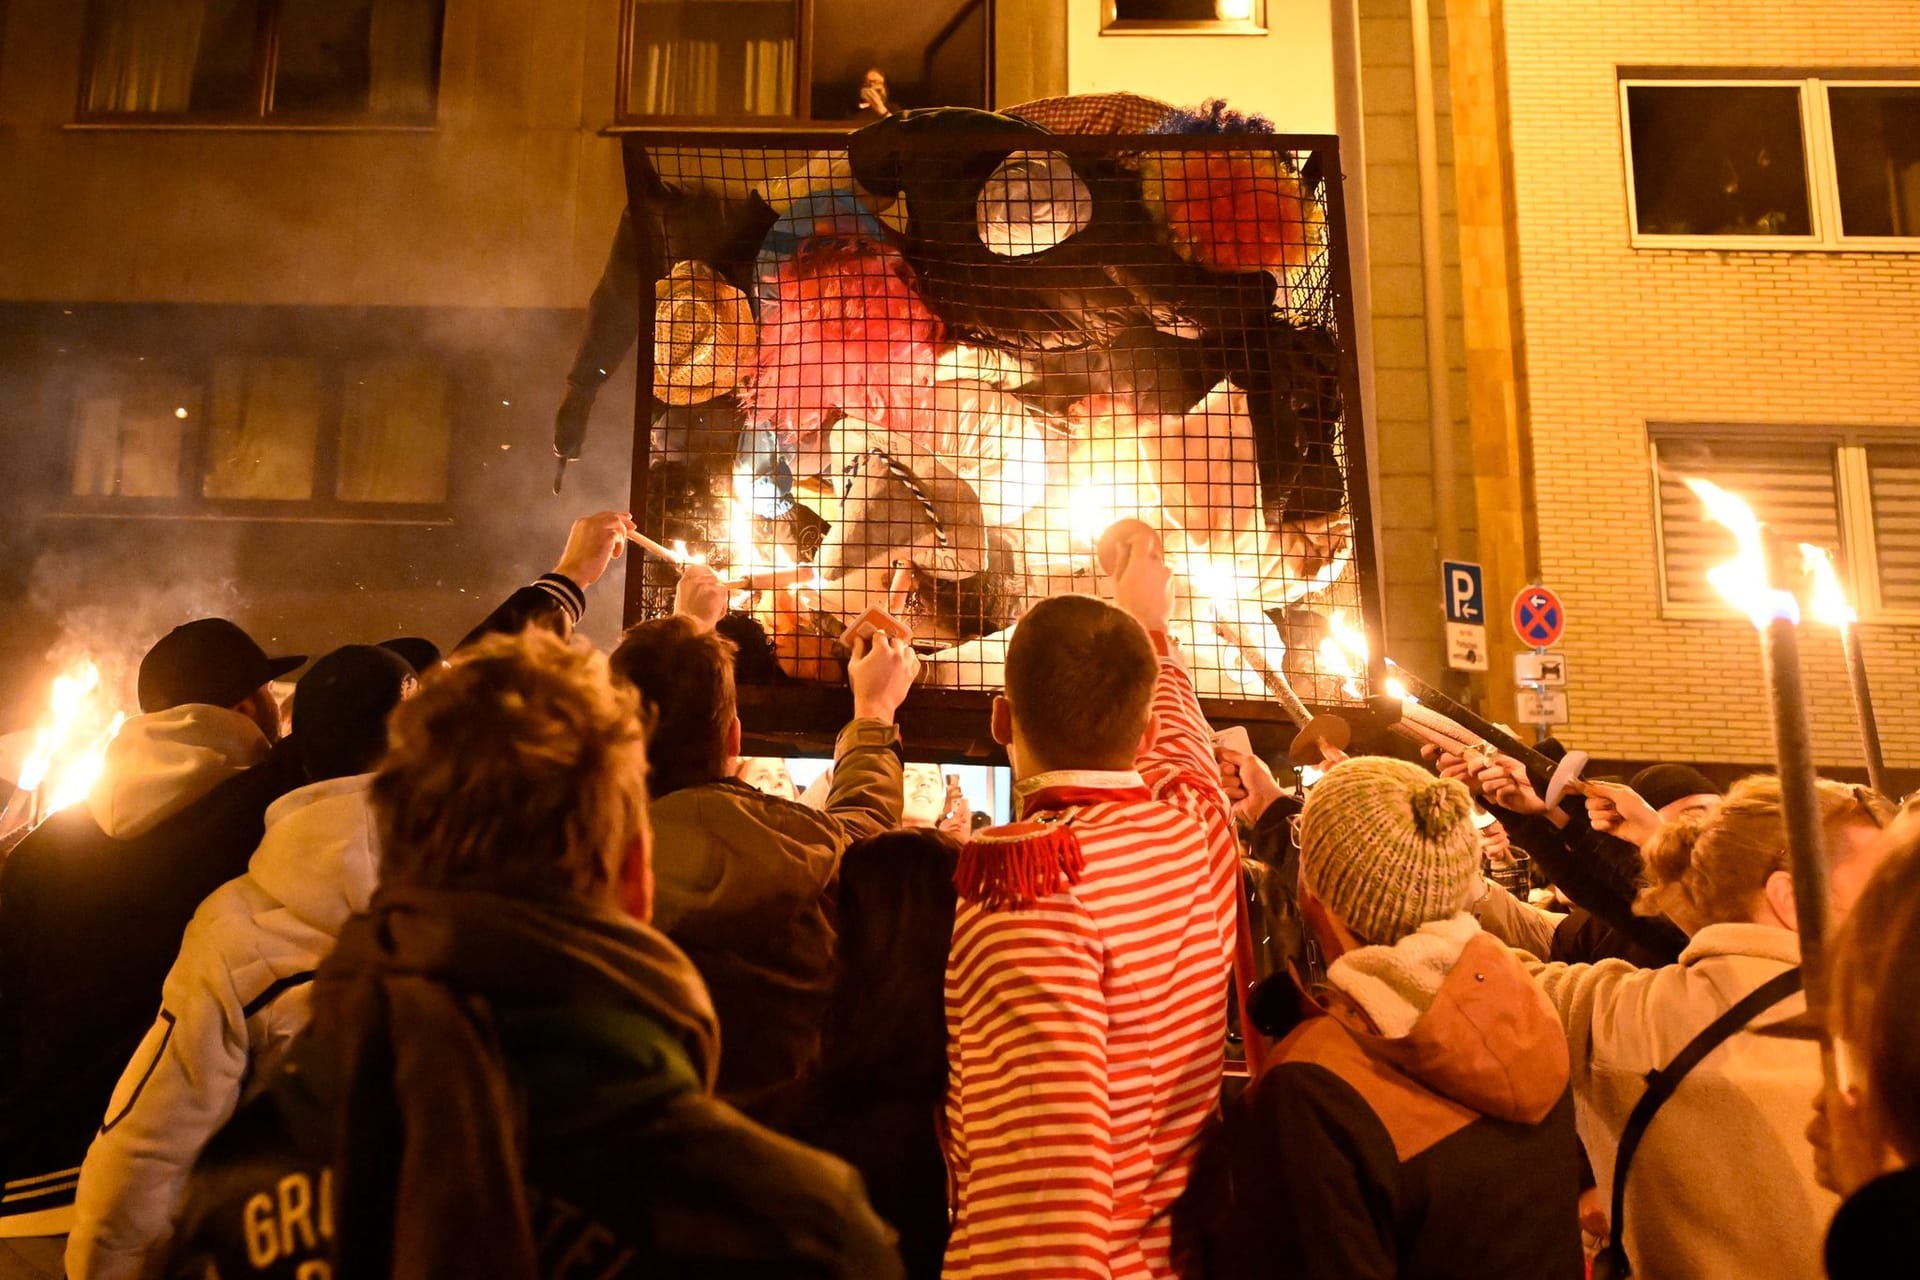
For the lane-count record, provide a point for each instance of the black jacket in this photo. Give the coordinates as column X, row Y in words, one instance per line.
column 1597, row 872
column 89, row 926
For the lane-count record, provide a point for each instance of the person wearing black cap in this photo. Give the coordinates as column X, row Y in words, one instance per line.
column 92, row 902
column 239, row 992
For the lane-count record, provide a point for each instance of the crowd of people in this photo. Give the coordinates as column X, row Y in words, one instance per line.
column 493, row 965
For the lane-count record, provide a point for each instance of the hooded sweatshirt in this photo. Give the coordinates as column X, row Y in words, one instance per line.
column 92, row 905
column 1416, row 1124
column 236, row 996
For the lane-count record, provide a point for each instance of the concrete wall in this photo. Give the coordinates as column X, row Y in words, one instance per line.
column 1286, row 74
column 508, row 201
column 1618, row 337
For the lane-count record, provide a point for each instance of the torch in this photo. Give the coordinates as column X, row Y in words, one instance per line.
column 1552, row 778
column 1829, row 604
column 1319, row 739
column 1747, row 583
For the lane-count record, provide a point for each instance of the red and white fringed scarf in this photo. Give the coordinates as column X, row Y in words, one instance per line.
column 1023, row 862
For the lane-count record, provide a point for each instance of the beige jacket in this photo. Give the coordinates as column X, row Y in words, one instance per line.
column 1722, row 1187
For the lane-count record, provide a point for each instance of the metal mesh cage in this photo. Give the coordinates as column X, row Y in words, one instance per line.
column 921, row 367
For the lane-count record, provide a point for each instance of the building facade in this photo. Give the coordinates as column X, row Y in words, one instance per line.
column 286, row 309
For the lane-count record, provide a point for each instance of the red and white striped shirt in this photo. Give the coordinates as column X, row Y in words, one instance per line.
column 1087, row 1030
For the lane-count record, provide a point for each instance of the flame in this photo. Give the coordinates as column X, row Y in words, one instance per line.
column 1211, row 581
column 1397, row 689
column 77, row 776
column 1343, row 653
column 69, row 699
column 1743, row 580
column 1089, row 514
column 1829, row 602
column 61, row 771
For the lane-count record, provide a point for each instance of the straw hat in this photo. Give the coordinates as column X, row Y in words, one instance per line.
column 1030, row 203
column 703, row 335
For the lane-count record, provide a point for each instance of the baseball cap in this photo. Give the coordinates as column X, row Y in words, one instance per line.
column 340, row 709
column 422, row 654
column 208, row 660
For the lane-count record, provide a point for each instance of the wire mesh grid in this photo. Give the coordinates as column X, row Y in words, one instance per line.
column 920, row 368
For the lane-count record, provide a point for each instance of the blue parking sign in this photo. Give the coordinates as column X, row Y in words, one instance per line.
column 1461, row 582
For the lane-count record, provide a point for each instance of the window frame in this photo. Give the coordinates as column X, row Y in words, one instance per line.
column 1816, row 141
column 266, row 68
column 1853, row 499
column 624, row 117
column 190, row 503
column 1112, row 24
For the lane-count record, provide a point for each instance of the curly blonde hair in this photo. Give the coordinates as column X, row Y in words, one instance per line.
column 1712, row 868
column 520, row 769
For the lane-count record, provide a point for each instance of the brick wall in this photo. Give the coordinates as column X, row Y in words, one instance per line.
column 1617, row 337
column 1402, row 426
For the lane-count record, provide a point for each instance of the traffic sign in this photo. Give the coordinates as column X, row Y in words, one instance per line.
column 1466, row 646
column 1541, row 706
column 1548, row 669
column 1466, row 594
column 1538, row 618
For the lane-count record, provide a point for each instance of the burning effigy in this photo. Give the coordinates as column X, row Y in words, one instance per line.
column 921, row 366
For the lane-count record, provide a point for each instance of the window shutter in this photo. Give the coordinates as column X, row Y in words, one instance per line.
column 1791, row 487
column 1894, row 490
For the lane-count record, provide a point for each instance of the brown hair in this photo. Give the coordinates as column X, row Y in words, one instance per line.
column 1878, row 951
column 1712, row 868
column 520, row 768
column 685, row 679
column 1080, row 676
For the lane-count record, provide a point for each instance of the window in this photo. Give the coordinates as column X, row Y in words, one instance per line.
column 366, row 438
column 1791, row 164
column 1208, row 17
column 269, row 61
column 745, row 61
column 1857, row 493
column 1876, row 159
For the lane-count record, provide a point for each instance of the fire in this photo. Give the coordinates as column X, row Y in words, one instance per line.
column 1089, row 514
column 1343, row 653
column 1397, row 690
column 70, row 744
column 1829, row 602
column 1744, row 580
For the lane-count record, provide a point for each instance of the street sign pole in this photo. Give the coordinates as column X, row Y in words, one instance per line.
column 1539, row 619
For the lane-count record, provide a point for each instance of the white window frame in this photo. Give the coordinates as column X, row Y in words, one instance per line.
column 1853, row 495
column 1816, row 143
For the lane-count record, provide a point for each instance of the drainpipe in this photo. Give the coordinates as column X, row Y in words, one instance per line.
column 1433, row 289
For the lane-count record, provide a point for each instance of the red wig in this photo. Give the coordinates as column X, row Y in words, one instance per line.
column 846, row 330
column 1230, row 210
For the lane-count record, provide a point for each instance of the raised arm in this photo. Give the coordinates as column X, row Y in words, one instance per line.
column 1030, row 1122
column 556, row 600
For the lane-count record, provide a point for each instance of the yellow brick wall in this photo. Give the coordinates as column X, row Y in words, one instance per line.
column 1618, row 337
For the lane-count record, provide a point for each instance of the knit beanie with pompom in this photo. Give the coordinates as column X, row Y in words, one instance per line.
column 1389, row 847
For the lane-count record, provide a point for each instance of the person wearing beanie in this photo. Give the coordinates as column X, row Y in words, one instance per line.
column 239, row 990
column 1417, row 1121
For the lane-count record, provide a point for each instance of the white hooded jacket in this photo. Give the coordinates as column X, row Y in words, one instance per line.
column 236, row 996
column 161, row 762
